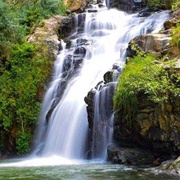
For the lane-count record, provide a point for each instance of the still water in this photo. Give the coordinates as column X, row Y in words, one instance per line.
column 44, row 169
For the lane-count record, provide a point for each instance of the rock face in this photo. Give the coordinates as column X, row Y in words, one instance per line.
column 47, row 36
column 155, row 127
column 156, row 43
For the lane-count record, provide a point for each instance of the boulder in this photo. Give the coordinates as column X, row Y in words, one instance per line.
column 147, row 12
column 152, row 43
column 46, row 36
column 125, row 5
column 130, row 156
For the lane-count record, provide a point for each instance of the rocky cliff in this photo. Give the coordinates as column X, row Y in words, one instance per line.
column 155, row 125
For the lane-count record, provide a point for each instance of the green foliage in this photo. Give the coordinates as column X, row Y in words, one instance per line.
column 176, row 4
column 10, row 30
column 23, row 143
column 19, row 84
column 141, row 75
column 31, row 14
column 160, row 3
column 154, row 3
column 51, row 7
column 176, row 36
column 23, row 68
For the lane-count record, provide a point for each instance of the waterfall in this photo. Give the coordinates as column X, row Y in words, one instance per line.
column 98, row 41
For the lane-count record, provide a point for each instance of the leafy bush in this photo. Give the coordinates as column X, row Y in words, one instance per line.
column 23, row 143
column 24, row 69
column 50, row 7
column 31, row 14
column 10, row 30
column 160, row 3
column 142, row 75
column 176, row 4
column 19, row 85
column 176, row 36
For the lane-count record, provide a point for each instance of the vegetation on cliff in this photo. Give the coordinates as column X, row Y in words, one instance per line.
column 24, row 69
column 142, row 74
column 147, row 98
column 147, row 73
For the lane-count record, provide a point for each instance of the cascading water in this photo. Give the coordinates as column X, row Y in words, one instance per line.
column 99, row 41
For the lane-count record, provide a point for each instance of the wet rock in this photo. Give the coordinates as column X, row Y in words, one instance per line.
column 129, row 156
column 90, row 96
column 66, row 27
column 89, row 100
column 78, row 55
column 100, row 5
column 68, row 62
column 68, row 43
column 100, row 1
column 146, row 12
column 80, row 23
column 81, row 41
column 125, row 5
column 130, row 52
column 172, row 166
column 108, row 76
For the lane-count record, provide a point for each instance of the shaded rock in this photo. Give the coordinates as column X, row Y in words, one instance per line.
column 78, row 55
column 129, row 156
column 81, row 41
column 125, row 5
column 108, row 76
column 89, row 100
column 68, row 43
column 66, row 27
column 169, row 25
column 68, row 62
column 154, row 127
column 147, row 12
column 130, row 52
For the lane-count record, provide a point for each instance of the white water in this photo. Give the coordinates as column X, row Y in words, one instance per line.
column 108, row 33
